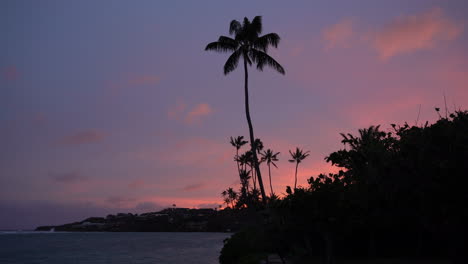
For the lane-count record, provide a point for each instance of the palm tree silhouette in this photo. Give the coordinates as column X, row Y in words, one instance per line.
column 253, row 49
column 243, row 161
column 297, row 157
column 230, row 197
column 238, row 142
column 270, row 157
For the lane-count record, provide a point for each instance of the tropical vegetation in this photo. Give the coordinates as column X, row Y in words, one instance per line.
column 252, row 48
column 399, row 193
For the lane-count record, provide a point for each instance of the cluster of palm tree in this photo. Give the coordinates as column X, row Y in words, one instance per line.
column 246, row 169
column 230, row 197
column 410, row 184
column 252, row 48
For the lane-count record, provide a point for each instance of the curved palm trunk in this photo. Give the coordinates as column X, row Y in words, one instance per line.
column 269, row 174
column 295, row 178
column 251, row 133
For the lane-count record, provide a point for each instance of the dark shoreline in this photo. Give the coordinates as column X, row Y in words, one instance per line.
column 167, row 220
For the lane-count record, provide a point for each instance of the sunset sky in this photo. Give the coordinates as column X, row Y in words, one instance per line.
column 114, row 106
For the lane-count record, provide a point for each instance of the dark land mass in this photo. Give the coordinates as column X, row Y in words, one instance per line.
column 167, row 220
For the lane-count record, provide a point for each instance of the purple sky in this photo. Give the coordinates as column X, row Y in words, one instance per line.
column 114, row 106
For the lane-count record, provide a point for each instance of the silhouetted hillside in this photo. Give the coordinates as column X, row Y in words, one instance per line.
column 167, row 220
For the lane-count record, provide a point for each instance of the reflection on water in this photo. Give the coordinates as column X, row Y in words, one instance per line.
column 118, row 248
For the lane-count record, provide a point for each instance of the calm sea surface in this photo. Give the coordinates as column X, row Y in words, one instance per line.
column 112, row 248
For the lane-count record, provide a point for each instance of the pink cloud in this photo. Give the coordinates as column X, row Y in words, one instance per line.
column 189, row 116
column 338, row 34
column 415, row 32
column 193, row 187
column 199, row 111
column 83, row 137
column 386, row 112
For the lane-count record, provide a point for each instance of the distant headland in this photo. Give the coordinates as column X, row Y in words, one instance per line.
column 167, row 220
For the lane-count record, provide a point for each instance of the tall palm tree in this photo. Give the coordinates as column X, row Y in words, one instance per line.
column 297, row 157
column 270, row 157
column 248, row 44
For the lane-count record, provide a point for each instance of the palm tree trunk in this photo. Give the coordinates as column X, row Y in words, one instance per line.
column 269, row 174
column 295, row 178
column 254, row 180
column 237, row 161
column 251, row 132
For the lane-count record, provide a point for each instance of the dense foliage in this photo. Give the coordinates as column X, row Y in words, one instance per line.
column 398, row 194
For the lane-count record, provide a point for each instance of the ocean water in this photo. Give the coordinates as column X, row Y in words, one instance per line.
column 110, row 248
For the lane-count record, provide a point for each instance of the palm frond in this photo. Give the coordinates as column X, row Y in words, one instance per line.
column 245, row 23
column 228, row 42
column 257, row 24
column 262, row 43
column 231, row 63
column 298, row 155
column 224, row 44
column 234, row 27
column 238, row 142
column 233, row 143
column 262, row 59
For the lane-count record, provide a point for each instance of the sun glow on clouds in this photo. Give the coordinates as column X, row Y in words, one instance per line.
column 350, row 74
column 185, row 202
column 338, row 34
column 198, row 112
column 195, row 114
column 415, row 32
column 404, row 34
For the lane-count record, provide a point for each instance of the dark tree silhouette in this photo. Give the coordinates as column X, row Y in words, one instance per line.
column 297, row 157
column 244, row 160
column 230, row 197
column 398, row 194
column 248, row 44
column 238, row 142
column 259, row 147
column 269, row 157
column 243, row 197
